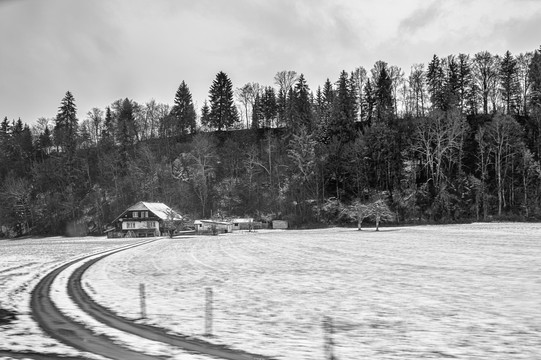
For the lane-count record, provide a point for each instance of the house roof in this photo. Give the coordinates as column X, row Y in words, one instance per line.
column 242, row 220
column 159, row 209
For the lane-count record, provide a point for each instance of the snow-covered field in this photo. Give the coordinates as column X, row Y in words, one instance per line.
column 461, row 291
column 457, row 291
column 22, row 264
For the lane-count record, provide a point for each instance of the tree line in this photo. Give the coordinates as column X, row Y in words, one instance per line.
column 457, row 140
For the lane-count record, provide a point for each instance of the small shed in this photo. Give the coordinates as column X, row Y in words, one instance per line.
column 279, row 224
column 243, row 224
column 208, row 226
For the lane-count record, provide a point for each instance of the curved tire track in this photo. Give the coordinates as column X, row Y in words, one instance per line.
column 106, row 316
column 62, row 328
column 76, row 335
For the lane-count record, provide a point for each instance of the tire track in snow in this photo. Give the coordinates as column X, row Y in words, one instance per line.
column 61, row 327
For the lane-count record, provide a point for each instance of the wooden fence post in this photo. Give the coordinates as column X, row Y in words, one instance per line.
column 328, row 343
column 142, row 297
column 208, row 311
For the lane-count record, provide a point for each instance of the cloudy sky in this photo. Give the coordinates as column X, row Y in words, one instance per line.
column 104, row 50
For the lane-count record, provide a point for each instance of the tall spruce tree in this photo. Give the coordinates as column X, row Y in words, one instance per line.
column 301, row 108
column 223, row 112
column 125, row 131
column 269, row 106
column 65, row 131
column 509, row 86
column 436, row 84
column 384, row 103
column 535, row 79
column 368, row 103
column 464, row 80
column 183, row 111
column 205, row 114
column 257, row 113
column 342, row 123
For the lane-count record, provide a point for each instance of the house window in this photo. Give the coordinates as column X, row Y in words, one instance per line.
column 151, row 224
column 135, row 214
column 130, row 225
column 144, row 214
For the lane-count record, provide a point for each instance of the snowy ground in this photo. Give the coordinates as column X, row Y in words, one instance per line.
column 461, row 291
column 464, row 291
column 22, row 264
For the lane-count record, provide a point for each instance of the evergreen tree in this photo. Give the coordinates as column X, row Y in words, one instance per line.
column 509, row 86
column 5, row 143
column 383, row 95
column 223, row 112
column 183, row 111
column 205, row 114
column 368, row 103
column 108, row 131
column 452, row 83
column 464, row 80
column 269, row 106
column 257, row 116
column 126, row 131
column 65, row 131
column 436, row 84
column 301, row 108
column 344, row 114
column 535, row 79
column 281, row 108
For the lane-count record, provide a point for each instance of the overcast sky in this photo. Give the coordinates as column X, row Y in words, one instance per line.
column 104, row 50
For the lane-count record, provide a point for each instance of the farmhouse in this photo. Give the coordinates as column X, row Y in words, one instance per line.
column 144, row 219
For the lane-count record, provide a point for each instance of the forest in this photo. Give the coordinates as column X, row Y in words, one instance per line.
column 456, row 140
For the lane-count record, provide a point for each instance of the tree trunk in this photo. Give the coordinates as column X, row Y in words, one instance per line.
column 377, row 223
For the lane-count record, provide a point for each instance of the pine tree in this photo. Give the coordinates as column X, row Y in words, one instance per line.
column 509, row 86
column 268, row 106
column 452, row 83
column 223, row 112
column 368, row 103
column 65, row 131
column 257, row 116
column 183, row 111
column 535, row 79
column 205, row 114
column 383, row 96
column 108, row 131
column 342, row 123
column 126, row 131
column 464, row 80
column 436, row 84
column 301, row 108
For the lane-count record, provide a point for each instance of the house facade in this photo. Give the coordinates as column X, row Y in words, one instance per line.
column 144, row 219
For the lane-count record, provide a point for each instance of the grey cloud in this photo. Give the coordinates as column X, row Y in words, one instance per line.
column 421, row 18
column 520, row 33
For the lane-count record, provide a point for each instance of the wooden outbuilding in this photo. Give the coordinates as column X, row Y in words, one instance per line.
column 212, row 226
